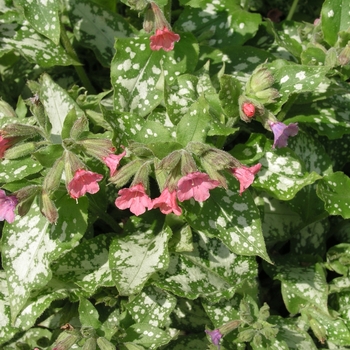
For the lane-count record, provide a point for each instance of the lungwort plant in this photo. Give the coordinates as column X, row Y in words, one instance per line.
column 174, row 174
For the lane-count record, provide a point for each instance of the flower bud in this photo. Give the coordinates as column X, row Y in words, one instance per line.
column 13, row 130
column 125, row 173
column 53, row 177
column 104, row 344
column 48, row 208
column 6, row 110
column 246, row 335
column 80, row 126
column 140, row 150
column 331, row 57
column 20, row 150
column 344, row 56
column 71, row 164
column 25, row 197
column 268, row 95
column 142, row 174
column 319, row 330
column 98, row 148
column 170, row 161
column 90, row 344
column 160, row 21
column 249, row 108
column 148, row 21
column 260, row 79
column 66, row 340
column 188, row 165
column 38, row 111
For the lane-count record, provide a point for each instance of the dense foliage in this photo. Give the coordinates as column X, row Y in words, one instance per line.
column 174, row 175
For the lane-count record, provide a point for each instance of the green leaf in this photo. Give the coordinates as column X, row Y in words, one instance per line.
column 97, row 28
column 338, row 258
column 203, row 272
column 58, row 104
column 295, row 79
column 86, row 265
column 337, row 331
column 152, row 306
column 147, row 335
column 17, row 169
column 31, row 244
column 290, row 335
column 194, row 125
column 232, row 218
column 282, row 174
column 88, row 314
column 215, row 20
column 279, row 222
column 334, row 192
column 301, row 285
column 138, row 73
column 43, row 16
column 33, row 46
column 136, row 257
column 335, row 18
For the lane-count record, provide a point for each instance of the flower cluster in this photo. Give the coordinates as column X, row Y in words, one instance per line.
column 258, row 92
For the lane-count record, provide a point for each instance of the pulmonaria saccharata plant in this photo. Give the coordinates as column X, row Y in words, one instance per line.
column 165, row 179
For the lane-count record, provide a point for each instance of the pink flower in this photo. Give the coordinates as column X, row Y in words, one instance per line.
column 4, row 145
column 134, row 198
column 196, row 185
column 245, row 176
column 82, row 182
column 112, row 161
column 248, row 109
column 163, row 39
column 281, row 133
column 7, row 207
column 166, row 202
column 215, row 336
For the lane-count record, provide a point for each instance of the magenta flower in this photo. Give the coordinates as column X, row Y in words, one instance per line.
column 112, row 161
column 215, row 336
column 245, row 176
column 82, row 182
column 248, row 109
column 196, row 185
column 134, row 198
column 281, row 133
column 7, row 207
column 163, row 39
column 166, row 202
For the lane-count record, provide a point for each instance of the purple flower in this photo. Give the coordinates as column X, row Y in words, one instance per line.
column 215, row 336
column 281, row 133
column 7, row 207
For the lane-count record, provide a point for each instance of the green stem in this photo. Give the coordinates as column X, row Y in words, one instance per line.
column 292, row 10
column 286, row 107
column 104, row 216
column 79, row 69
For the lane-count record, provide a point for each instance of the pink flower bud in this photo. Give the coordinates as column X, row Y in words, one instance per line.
column 248, row 109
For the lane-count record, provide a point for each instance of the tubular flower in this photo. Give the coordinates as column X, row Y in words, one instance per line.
column 112, row 161
column 82, row 182
column 166, row 202
column 245, row 176
column 7, row 207
column 281, row 133
column 215, row 336
column 196, row 185
column 164, row 39
column 133, row 198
